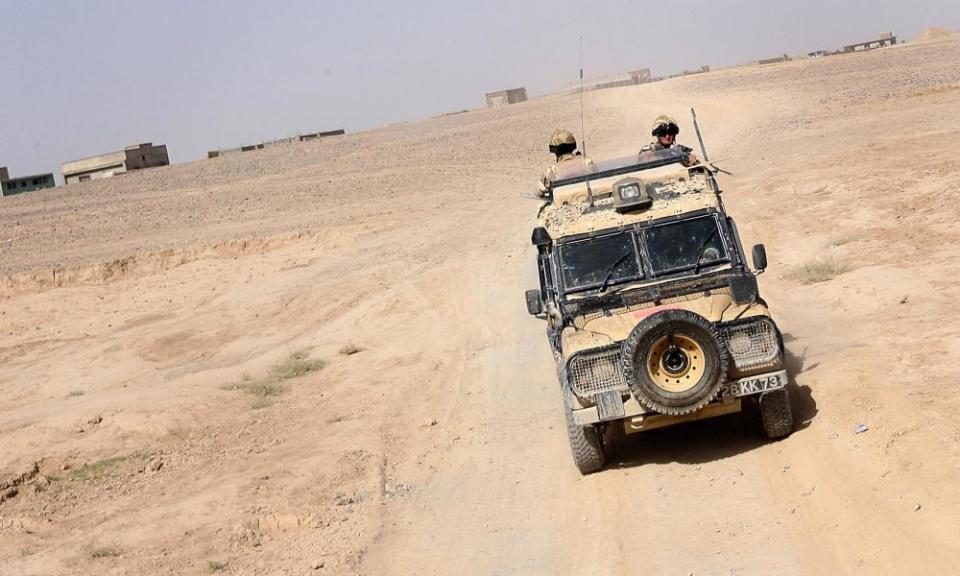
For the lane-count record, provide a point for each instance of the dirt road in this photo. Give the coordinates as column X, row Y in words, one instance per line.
column 148, row 325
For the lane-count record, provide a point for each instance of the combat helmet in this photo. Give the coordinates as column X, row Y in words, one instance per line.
column 665, row 122
column 562, row 142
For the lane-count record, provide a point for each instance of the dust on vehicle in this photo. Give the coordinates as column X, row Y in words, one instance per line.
column 653, row 315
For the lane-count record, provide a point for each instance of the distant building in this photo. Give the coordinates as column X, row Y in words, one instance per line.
column 784, row 58
column 641, row 76
column 10, row 186
column 504, row 97
column 316, row 135
column 702, row 70
column 106, row 165
column 886, row 39
column 273, row 143
column 631, row 78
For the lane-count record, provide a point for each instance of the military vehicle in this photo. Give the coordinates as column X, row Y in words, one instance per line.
column 653, row 315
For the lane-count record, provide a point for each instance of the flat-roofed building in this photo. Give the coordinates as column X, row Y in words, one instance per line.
column 886, row 39
column 10, row 186
column 106, row 165
column 778, row 59
column 504, row 97
column 275, row 143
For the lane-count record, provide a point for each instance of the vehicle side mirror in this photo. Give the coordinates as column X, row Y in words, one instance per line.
column 759, row 257
column 534, row 305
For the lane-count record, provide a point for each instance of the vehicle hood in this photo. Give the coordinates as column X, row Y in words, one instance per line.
column 603, row 329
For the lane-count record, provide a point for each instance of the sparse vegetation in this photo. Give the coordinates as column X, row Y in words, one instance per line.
column 109, row 551
column 350, row 348
column 216, row 566
column 341, row 499
column 262, row 388
column 75, row 393
column 101, row 467
column 842, row 240
column 294, row 366
column 818, row 270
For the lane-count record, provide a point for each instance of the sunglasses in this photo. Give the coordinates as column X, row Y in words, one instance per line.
column 666, row 129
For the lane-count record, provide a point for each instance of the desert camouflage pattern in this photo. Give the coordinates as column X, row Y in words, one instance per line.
column 588, row 198
column 606, row 329
column 564, row 164
column 661, row 120
column 561, row 137
column 675, row 191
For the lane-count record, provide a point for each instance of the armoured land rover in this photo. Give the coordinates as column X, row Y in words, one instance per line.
column 653, row 316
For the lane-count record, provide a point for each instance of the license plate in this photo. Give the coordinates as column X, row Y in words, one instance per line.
column 758, row 384
column 609, row 406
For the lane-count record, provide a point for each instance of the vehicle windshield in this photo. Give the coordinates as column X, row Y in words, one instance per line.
column 600, row 262
column 693, row 243
column 645, row 161
column 662, row 157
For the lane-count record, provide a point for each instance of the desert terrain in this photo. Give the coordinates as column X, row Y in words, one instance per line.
column 316, row 359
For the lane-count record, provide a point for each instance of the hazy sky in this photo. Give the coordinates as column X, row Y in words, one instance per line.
column 84, row 77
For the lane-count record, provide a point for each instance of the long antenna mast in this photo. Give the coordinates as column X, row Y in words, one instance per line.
column 583, row 137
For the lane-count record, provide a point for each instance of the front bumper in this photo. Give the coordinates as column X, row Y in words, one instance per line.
column 635, row 414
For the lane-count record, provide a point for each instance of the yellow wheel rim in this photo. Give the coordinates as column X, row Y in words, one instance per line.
column 676, row 363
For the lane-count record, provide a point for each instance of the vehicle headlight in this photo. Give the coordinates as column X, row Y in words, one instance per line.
column 629, row 191
column 739, row 343
column 593, row 372
column 753, row 344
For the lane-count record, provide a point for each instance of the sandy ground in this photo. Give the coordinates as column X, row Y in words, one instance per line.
column 136, row 311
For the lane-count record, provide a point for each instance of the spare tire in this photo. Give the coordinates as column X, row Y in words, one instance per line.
column 673, row 362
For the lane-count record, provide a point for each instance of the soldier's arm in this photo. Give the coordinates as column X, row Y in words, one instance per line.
column 543, row 186
column 689, row 157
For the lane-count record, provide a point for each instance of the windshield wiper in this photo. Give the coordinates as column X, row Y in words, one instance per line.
column 609, row 272
column 703, row 247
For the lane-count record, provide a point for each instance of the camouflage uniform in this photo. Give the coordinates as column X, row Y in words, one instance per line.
column 544, row 186
column 654, row 146
column 560, row 138
column 664, row 119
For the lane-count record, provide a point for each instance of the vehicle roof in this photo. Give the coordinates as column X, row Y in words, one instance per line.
column 673, row 189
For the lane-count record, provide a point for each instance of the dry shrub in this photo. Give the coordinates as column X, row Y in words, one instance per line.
column 294, row 366
column 350, row 348
column 108, row 551
column 818, row 270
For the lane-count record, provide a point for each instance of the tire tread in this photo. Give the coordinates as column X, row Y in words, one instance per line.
column 585, row 443
column 776, row 413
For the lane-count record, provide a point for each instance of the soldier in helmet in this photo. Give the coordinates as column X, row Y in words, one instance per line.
column 665, row 131
column 563, row 145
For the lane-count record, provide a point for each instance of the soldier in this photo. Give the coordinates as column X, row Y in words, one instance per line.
column 665, row 131
column 563, row 145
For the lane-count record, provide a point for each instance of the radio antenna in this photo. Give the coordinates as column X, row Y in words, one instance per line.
column 583, row 137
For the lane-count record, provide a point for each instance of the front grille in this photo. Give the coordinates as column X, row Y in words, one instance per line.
column 752, row 344
column 597, row 371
